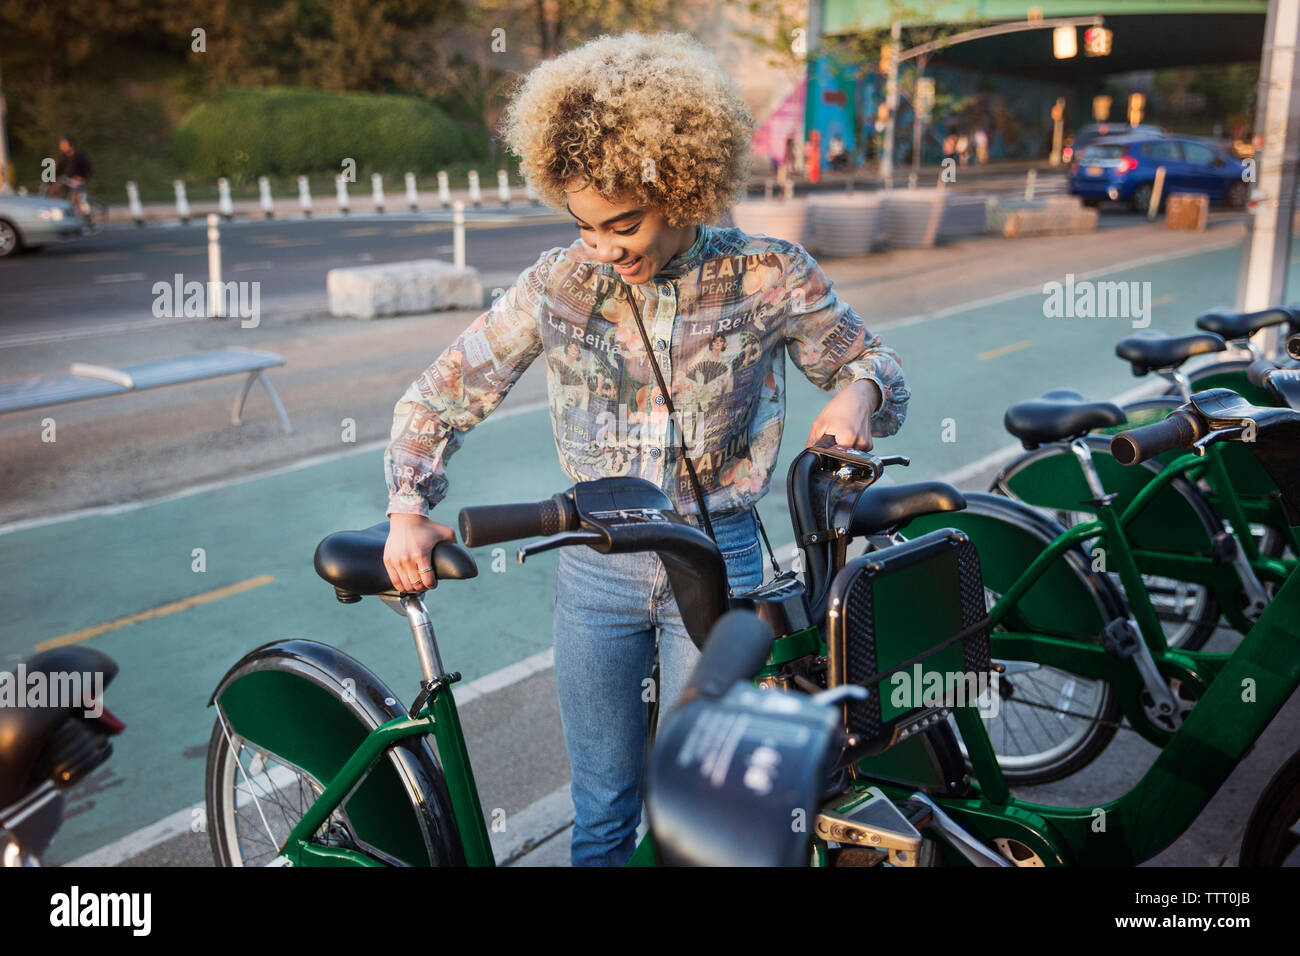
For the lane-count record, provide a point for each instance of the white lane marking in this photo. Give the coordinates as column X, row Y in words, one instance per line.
column 532, row 826
column 251, row 266
column 133, row 844
column 118, row 277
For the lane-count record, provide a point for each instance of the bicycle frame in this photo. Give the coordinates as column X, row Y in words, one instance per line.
column 439, row 717
column 1252, row 686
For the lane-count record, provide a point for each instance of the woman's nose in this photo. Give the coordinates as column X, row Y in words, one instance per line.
column 609, row 251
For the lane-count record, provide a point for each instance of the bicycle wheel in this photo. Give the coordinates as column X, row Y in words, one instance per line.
column 1049, row 723
column 96, row 214
column 289, row 715
column 1272, row 836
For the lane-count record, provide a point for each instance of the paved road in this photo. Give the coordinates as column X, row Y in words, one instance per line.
column 969, row 322
column 107, row 279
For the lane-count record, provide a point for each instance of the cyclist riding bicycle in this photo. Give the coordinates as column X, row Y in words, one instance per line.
column 653, row 311
column 72, row 170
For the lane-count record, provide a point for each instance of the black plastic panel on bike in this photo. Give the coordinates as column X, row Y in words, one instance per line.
column 898, row 605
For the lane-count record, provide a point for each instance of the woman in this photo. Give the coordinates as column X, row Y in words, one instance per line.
column 644, row 141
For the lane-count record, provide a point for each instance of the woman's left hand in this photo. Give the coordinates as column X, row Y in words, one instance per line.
column 847, row 416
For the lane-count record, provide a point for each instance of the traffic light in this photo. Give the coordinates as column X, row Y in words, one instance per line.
column 1096, row 41
column 1065, row 44
column 1136, row 102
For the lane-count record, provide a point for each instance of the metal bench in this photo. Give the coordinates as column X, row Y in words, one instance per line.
column 84, row 381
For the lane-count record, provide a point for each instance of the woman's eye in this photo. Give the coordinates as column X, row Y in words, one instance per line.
column 628, row 232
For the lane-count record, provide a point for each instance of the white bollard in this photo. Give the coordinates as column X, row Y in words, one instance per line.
column 264, row 197
column 182, row 204
column 412, row 197
column 533, row 198
column 304, row 196
column 444, row 190
column 341, row 190
column 475, row 196
column 216, row 300
column 1031, row 179
column 377, row 191
column 458, row 234
column 503, row 187
column 1157, row 188
column 224, row 205
column 133, row 200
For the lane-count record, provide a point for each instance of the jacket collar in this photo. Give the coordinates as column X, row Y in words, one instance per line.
column 689, row 260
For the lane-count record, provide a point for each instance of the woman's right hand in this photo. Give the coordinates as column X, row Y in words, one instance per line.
column 408, row 552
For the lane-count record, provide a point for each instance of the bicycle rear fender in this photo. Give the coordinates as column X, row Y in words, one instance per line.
column 1068, row 600
column 311, row 705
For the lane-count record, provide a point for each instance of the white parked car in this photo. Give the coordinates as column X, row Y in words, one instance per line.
column 29, row 222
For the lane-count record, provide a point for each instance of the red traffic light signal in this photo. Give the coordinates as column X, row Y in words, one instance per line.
column 1096, row 41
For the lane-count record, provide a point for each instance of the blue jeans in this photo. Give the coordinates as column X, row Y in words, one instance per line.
column 607, row 611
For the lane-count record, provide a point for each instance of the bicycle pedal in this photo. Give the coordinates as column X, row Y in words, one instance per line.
column 874, row 823
column 1120, row 639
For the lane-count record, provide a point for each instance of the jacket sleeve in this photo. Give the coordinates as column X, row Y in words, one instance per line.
column 832, row 346
column 461, row 388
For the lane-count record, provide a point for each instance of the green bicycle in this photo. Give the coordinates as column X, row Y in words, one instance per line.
column 906, row 805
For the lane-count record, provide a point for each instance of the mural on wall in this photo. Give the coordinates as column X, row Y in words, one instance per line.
column 786, row 120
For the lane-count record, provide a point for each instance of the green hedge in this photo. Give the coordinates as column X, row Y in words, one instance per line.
column 248, row 133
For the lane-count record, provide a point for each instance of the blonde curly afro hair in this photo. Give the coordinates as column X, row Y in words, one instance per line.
column 650, row 117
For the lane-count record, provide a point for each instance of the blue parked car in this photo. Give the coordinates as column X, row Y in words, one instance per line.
column 1123, row 168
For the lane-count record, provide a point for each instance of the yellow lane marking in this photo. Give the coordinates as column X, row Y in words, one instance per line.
column 162, row 610
column 1165, row 299
column 1004, row 350
column 351, row 233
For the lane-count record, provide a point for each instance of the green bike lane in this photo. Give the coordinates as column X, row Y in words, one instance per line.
column 963, row 368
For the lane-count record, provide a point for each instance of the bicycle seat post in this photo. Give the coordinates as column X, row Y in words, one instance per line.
column 1178, row 378
column 426, row 644
column 1082, row 452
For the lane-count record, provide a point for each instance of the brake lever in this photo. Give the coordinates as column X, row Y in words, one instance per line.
column 559, row 541
column 895, row 460
column 1198, row 446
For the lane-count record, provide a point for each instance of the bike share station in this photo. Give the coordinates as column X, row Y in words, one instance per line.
column 790, row 746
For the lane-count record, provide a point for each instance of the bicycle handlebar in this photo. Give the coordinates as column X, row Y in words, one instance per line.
column 492, row 524
column 1179, row 430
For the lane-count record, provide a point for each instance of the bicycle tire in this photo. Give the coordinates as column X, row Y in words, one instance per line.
column 97, row 215
column 1272, row 835
column 321, row 703
column 1090, row 728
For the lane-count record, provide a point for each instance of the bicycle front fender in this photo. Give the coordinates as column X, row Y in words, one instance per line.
column 311, row 705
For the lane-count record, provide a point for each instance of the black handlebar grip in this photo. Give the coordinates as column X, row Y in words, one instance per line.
column 736, row 649
column 1257, row 372
column 1179, row 430
column 1293, row 346
column 492, row 524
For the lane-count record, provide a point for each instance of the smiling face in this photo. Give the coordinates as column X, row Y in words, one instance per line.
column 635, row 239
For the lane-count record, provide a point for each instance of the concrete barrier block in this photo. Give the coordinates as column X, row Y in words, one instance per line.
column 1187, row 211
column 402, row 288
